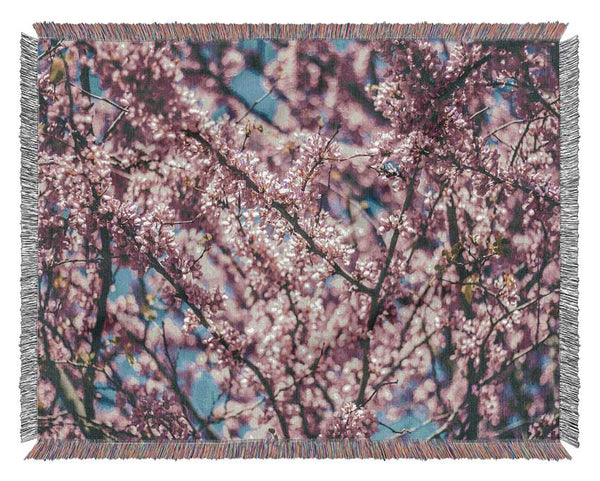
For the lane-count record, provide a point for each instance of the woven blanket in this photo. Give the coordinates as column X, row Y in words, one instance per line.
column 299, row 241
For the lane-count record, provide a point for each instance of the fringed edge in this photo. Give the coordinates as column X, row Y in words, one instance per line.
column 140, row 32
column 330, row 449
column 569, row 339
column 29, row 228
column 569, row 184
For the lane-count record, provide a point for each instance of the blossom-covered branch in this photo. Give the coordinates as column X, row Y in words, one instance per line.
column 298, row 239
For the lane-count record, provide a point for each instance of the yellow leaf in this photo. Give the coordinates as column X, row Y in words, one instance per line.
column 468, row 287
column 206, row 238
column 500, row 246
column 456, row 249
column 467, row 291
column 509, row 281
column 148, row 313
column 70, row 57
column 57, row 71
column 60, row 282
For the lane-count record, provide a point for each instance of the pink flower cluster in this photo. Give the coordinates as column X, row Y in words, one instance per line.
column 372, row 240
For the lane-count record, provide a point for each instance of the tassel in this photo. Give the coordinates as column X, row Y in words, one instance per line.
column 222, row 31
column 569, row 183
column 29, row 231
column 326, row 449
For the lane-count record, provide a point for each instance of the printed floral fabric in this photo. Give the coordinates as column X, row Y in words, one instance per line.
column 298, row 239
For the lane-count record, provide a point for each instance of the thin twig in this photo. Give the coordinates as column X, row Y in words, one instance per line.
column 256, row 102
column 97, row 97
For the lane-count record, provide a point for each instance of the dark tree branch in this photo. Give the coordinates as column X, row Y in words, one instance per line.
column 282, row 209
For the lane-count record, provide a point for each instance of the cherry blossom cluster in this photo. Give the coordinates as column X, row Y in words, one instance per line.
column 298, row 239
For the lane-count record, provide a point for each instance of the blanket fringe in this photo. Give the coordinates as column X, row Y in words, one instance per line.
column 569, row 184
column 140, row 32
column 29, row 226
column 569, row 341
column 335, row 449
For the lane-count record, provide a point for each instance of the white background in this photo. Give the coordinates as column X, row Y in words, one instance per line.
column 17, row 17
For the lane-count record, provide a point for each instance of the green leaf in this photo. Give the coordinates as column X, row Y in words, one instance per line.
column 130, row 358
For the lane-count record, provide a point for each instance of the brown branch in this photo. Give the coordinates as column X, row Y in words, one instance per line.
column 105, row 273
column 97, row 97
column 171, row 377
column 255, row 103
column 515, row 184
column 319, row 160
column 282, row 209
column 376, row 390
column 113, row 126
column 459, row 82
column 66, row 391
column 516, row 357
column 227, row 90
column 521, row 139
column 50, row 50
column 375, row 306
column 181, row 293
